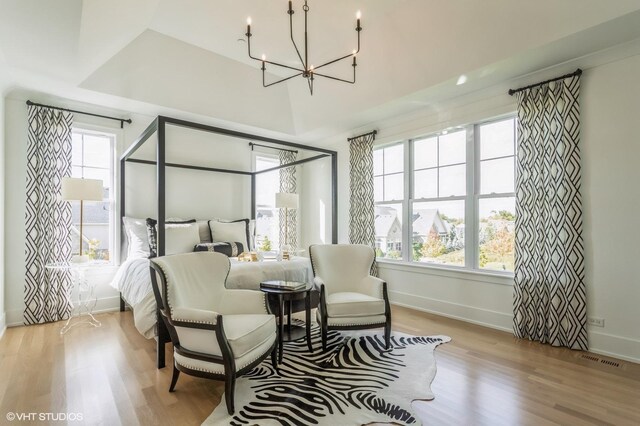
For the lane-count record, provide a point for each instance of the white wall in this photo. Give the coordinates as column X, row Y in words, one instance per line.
column 611, row 149
column 315, row 203
column 2, row 234
column 610, row 103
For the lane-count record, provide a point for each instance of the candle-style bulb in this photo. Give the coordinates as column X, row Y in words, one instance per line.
column 249, row 20
column 358, row 15
column 354, row 52
column 311, row 68
column 264, row 57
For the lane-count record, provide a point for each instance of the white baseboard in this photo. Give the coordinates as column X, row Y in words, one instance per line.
column 472, row 314
column 15, row 318
column 611, row 345
column 3, row 324
column 614, row 346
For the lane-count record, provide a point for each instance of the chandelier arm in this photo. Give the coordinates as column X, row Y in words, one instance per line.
column 334, row 61
column 279, row 81
column 264, row 61
column 336, row 78
column 280, row 65
column 342, row 57
column 293, row 41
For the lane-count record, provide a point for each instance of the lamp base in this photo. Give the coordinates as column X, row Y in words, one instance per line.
column 80, row 258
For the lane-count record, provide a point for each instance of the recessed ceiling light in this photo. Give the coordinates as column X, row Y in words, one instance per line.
column 462, row 80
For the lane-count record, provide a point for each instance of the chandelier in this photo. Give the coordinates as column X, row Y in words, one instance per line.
column 307, row 70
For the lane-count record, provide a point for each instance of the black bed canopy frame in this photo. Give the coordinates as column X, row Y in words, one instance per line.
column 158, row 125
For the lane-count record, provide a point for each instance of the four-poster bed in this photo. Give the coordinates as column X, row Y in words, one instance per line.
column 158, row 127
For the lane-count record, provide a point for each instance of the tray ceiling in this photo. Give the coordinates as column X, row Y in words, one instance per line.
column 186, row 55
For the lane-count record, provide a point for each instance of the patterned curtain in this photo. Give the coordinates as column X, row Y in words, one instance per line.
column 48, row 220
column 288, row 184
column 549, row 297
column 361, row 208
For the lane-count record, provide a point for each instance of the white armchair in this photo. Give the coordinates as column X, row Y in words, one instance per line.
column 350, row 298
column 217, row 333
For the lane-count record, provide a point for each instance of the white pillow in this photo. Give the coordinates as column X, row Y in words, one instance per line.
column 137, row 239
column 203, row 229
column 180, row 238
column 231, row 232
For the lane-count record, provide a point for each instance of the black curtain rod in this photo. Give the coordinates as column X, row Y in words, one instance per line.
column 373, row 132
column 576, row 72
column 251, row 144
column 121, row 120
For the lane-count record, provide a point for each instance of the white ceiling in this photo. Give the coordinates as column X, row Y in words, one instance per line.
column 185, row 54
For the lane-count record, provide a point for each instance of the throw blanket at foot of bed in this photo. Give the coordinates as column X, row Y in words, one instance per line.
column 356, row 381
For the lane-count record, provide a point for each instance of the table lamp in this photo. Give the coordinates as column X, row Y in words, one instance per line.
column 78, row 189
column 286, row 201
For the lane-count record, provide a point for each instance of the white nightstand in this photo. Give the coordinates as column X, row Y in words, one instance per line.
column 83, row 312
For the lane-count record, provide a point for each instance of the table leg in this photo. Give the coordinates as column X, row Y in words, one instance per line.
column 281, row 326
column 289, row 309
column 83, row 312
column 307, row 309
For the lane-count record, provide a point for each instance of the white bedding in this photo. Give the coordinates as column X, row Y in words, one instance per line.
column 133, row 280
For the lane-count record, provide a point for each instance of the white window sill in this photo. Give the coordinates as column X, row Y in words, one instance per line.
column 448, row 272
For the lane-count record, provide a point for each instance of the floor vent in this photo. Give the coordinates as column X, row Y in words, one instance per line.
column 611, row 363
column 602, row 361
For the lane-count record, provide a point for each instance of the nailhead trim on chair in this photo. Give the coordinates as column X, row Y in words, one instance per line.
column 217, row 372
column 319, row 319
column 195, row 322
column 191, row 367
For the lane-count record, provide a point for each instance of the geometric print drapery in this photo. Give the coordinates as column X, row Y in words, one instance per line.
column 47, row 218
column 361, row 196
column 550, row 303
column 288, row 185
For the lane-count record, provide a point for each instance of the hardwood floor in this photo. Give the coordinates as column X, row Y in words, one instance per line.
column 485, row 377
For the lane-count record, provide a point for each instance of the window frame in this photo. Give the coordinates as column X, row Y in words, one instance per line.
column 115, row 136
column 403, row 202
column 471, row 198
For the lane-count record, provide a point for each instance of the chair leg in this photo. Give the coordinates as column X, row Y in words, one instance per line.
column 229, row 389
column 387, row 334
column 174, row 378
column 324, row 337
column 274, row 356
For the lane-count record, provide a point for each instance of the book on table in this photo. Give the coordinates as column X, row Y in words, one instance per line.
column 283, row 285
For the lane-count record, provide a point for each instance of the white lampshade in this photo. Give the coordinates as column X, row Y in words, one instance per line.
column 287, row 200
column 76, row 189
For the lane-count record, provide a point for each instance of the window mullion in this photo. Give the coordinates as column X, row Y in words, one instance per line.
column 407, row 206
column 470, row 238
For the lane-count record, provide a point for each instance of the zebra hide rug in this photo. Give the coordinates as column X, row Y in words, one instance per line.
column 355, row 382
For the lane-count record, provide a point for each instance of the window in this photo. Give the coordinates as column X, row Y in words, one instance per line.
column 388, row 181
column 496, row 198
column 439, row 193
column 267, row 216
column 93, row 158
column 460, row 208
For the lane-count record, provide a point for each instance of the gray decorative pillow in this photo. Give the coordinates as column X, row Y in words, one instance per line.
column 229, row 249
